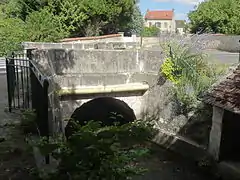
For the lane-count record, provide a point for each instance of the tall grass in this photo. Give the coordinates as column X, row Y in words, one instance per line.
column 189, row 70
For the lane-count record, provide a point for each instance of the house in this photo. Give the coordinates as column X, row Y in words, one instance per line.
column 180, row 26
column 163, row 19
column 224, row 141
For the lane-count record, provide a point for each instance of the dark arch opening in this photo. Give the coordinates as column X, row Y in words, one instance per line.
column 107, row 110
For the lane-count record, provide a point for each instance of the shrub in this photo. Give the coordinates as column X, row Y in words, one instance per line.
column 96, row 152
column 190, row 73
column 150, row 31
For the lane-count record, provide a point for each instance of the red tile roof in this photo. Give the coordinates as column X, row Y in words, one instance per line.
column 226, row 94
column 159, row 15
column 90, row 38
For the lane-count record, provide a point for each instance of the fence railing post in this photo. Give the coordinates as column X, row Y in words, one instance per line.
column 11, row 80
column 45, row 114
column 8, row 87
column 239, row 53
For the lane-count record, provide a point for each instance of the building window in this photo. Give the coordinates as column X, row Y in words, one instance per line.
column 158, row 24
column 150, row 24
column 165, row 24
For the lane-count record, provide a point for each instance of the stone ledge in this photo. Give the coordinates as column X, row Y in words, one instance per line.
column 104, row 89
column 180, row 145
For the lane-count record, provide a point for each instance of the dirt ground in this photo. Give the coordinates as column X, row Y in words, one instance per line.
column 16, row 159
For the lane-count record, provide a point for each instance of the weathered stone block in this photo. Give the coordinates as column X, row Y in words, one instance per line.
column 67, row 46
column 150, row 61
column 77, row 46
column 151, row 79
column 103, row 61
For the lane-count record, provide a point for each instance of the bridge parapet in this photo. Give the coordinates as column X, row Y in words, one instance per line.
column 128, row 71
column 62, row 61
column 99, row 67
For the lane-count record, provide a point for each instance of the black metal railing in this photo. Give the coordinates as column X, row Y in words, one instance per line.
column 18, row 81
column 28, row 89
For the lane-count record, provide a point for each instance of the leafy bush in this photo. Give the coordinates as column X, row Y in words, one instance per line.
column 28, row 122
column 96, row 152
column 150, row 31
column 189, row 72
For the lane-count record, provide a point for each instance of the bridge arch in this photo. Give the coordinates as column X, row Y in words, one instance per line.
column 104, row 109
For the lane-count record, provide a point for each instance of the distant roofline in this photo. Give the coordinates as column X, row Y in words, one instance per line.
column 169, row 12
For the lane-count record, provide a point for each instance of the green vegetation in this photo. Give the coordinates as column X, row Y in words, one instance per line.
column 221, row 16
column 44, row 26
column 12, row 33
column 28, row 122
column 51, row 20
column 96, row 152
column 150, row 31
column 190, row 74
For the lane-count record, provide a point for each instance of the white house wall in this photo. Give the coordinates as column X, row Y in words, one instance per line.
column 170, row 24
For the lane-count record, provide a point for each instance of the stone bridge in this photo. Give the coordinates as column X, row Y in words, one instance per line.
column 92, row 83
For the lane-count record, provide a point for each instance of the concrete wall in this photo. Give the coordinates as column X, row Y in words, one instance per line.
column 82, row 45
column 66, row 62
column 207, row 41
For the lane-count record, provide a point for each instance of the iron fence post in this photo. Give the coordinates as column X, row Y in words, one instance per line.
column 239, row 53
column 11, row 81
column 8, row 87
column 45, row 114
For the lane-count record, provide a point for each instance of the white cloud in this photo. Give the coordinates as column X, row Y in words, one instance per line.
column 190, row 2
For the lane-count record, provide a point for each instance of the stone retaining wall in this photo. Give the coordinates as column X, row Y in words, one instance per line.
column 81, row 46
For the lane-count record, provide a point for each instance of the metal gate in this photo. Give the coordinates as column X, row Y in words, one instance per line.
column 27, row 88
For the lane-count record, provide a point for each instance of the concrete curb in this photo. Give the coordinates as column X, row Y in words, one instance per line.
column 188, row 149
column 180, row 145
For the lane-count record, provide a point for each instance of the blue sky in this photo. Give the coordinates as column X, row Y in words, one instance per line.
column 182, row 7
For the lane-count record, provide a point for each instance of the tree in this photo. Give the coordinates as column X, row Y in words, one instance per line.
column 109, row 16
column 136, row 23
column 44, row 26
column 80, row 17
column 219, row 16
column 12, row 33
column 22, row 8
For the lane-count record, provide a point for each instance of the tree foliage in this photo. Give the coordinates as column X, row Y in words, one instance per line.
column 12, row 33
column 150, row 31
column 219, row 16
column 136, row 23
column 44, row 26
column 80, row 17
column 51, row 20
